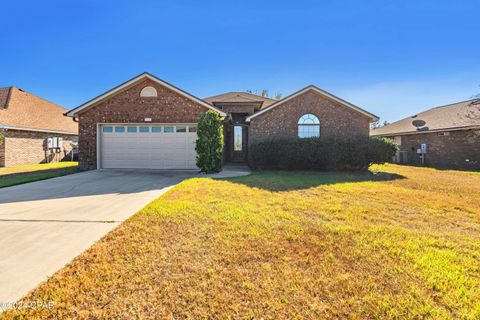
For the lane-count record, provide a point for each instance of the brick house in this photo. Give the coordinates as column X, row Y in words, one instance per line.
column 450, row 135
column 27, row 124
column 149, row 123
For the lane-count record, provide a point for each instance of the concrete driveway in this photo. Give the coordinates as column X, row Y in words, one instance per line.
column 45, row 224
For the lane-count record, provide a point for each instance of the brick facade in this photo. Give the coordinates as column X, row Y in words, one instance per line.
column 282, row 121
column 169, row 106
column 2, row 148
column 128, row 107
column 27, row 147
column 237, row 112
column 448, row 151
column 238, row 108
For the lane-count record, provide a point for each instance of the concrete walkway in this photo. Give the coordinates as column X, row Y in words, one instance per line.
column 45, row 224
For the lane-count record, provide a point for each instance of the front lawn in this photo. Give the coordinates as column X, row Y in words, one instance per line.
column 403, row 243
column 22, row 174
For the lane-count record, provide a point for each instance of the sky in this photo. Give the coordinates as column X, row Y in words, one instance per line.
column 392, row 58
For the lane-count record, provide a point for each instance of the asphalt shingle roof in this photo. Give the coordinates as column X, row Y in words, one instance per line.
column 458, row 115
column 25, row 110
column 244, row 97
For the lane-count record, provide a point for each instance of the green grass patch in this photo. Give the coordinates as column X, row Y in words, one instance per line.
column 22, row 174
column 396, row 243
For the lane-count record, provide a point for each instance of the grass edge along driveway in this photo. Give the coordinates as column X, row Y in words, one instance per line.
column 401, row 243
column 11, row 176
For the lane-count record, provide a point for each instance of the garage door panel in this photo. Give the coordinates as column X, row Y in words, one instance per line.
column 150, row 150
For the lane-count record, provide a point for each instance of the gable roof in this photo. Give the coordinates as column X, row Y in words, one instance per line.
column 456, row 116
column 74, row 112
column 241, row 97
column 317, row 90
column 4, row 95
column 21, row 110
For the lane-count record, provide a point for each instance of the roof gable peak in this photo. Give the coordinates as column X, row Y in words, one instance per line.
column 144, row 75
column 319, row 91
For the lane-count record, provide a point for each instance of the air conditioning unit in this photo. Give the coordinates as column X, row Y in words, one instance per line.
column 401, row 157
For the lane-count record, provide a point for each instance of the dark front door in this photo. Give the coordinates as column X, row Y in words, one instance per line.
column 239, row 143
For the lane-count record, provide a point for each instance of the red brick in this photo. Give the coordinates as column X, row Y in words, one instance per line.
column 282, row 121
column 128, row 107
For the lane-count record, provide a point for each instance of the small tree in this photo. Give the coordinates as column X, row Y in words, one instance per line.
column 209, row 144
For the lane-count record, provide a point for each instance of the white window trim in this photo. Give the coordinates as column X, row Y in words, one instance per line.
column 308, row 125
column 148, row 92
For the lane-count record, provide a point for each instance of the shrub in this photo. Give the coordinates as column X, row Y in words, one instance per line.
column 324, row 153
column 209, row 144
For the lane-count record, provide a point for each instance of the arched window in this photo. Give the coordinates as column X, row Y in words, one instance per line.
column 148, row 92
column 308, row 126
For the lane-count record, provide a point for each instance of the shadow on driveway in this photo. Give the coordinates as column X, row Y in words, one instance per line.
column 92, row 183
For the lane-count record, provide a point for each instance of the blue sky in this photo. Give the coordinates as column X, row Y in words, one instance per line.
column 393, row 58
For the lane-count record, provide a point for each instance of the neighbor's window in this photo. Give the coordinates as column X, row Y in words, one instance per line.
column 398, row 140
column 148, row 92
column 308, row 126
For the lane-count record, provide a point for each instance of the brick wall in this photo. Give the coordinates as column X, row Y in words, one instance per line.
column 238, row 108
column 128, row 107
column 25, row 147
column 2, row 148
column 450, row 151
column 282, row 121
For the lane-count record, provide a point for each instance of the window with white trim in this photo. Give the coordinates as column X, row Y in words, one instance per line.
column 308, row 126
column 148, row 92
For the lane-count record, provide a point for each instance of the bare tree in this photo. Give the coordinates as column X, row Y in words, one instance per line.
column 378, row 124
column 476, row 95
column 265, row 94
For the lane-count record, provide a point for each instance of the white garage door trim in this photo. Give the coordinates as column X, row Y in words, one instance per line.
column 185, row 154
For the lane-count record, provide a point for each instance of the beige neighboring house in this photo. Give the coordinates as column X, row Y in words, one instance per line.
column 33, row 130
column 450, row 135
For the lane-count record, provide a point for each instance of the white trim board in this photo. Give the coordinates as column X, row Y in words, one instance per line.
column 38, row 130
column 74, row 112
column 406, row 133
column 320, row 91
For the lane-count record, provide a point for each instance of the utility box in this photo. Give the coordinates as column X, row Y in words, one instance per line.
column 424, row 148
column 55, row 143
column 50, row 143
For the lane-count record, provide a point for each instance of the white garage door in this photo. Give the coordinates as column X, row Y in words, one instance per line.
column 154, row 146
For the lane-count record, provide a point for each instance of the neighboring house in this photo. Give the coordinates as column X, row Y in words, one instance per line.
column 450, row 133
column 148, row 123
column 27, row 125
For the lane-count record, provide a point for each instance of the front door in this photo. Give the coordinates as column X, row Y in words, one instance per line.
column 239, row 143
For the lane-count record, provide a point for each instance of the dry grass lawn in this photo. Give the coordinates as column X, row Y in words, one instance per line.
column 22, row 174
column 402, row 243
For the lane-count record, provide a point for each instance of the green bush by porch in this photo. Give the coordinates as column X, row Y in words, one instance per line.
column 323, row 153
column 209, row 144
